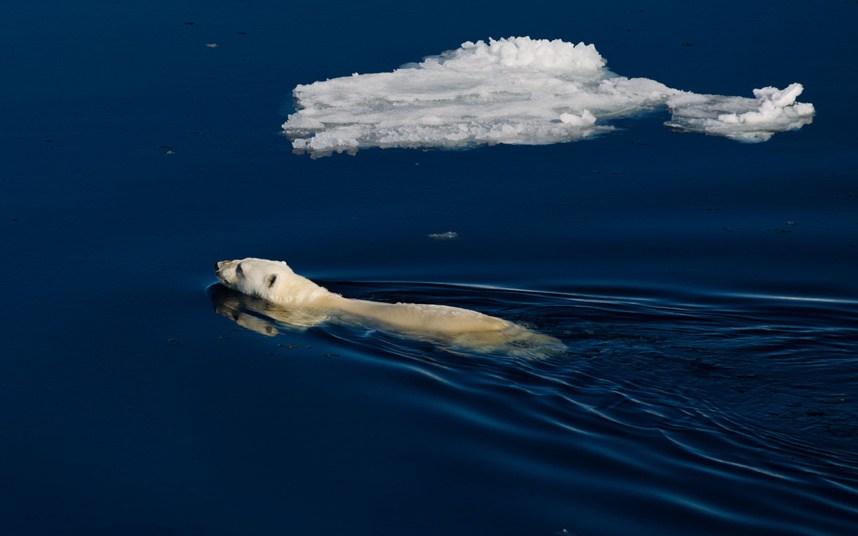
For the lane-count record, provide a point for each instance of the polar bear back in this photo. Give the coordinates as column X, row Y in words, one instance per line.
column 439, row 319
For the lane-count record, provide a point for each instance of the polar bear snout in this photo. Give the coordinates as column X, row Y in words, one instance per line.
column 225, row 271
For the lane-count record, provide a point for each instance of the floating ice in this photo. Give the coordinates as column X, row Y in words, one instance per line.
column 752, row 120
column 517, row 91
column 449, row 235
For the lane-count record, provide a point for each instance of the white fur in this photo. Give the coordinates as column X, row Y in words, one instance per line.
column 276, row 283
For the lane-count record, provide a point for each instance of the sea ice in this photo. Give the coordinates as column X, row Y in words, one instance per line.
column 517, row 91
column 739, row 118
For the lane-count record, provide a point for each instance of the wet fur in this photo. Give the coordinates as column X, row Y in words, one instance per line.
column 276, row 283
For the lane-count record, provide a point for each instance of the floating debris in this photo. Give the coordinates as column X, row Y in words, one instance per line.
column 449, row 235
column 211, row 45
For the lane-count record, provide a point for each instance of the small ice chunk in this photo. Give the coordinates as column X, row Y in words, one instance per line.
column 582, row 120
column 740, row 118
column 449, row 235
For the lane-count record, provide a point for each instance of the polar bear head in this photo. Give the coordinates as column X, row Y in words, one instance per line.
column 273, row 281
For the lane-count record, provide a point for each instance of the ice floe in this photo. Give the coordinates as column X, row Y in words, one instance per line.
column 516, row 90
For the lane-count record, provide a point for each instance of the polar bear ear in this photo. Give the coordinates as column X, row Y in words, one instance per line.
column 271, row 279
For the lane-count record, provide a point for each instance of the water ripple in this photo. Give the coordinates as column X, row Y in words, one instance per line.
column 752, row 395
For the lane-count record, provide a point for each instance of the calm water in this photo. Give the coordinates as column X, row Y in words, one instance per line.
column 706, row 289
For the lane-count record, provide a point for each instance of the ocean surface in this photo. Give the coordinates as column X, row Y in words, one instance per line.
column 706, row 290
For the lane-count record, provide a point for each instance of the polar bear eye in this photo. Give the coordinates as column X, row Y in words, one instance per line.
column 271, row 279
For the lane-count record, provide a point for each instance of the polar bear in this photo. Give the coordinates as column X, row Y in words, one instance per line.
column 300, row 303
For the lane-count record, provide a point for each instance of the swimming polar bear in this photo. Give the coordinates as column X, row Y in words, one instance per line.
column 300, row 303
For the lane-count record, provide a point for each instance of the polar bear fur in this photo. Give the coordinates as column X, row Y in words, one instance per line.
column 303, row 303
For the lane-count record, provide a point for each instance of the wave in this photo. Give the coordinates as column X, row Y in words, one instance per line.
column 519, row 91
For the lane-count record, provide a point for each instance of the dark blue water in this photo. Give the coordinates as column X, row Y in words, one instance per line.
column 706, row 290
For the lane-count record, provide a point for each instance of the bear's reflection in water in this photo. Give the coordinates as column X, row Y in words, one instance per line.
column 270, row 319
